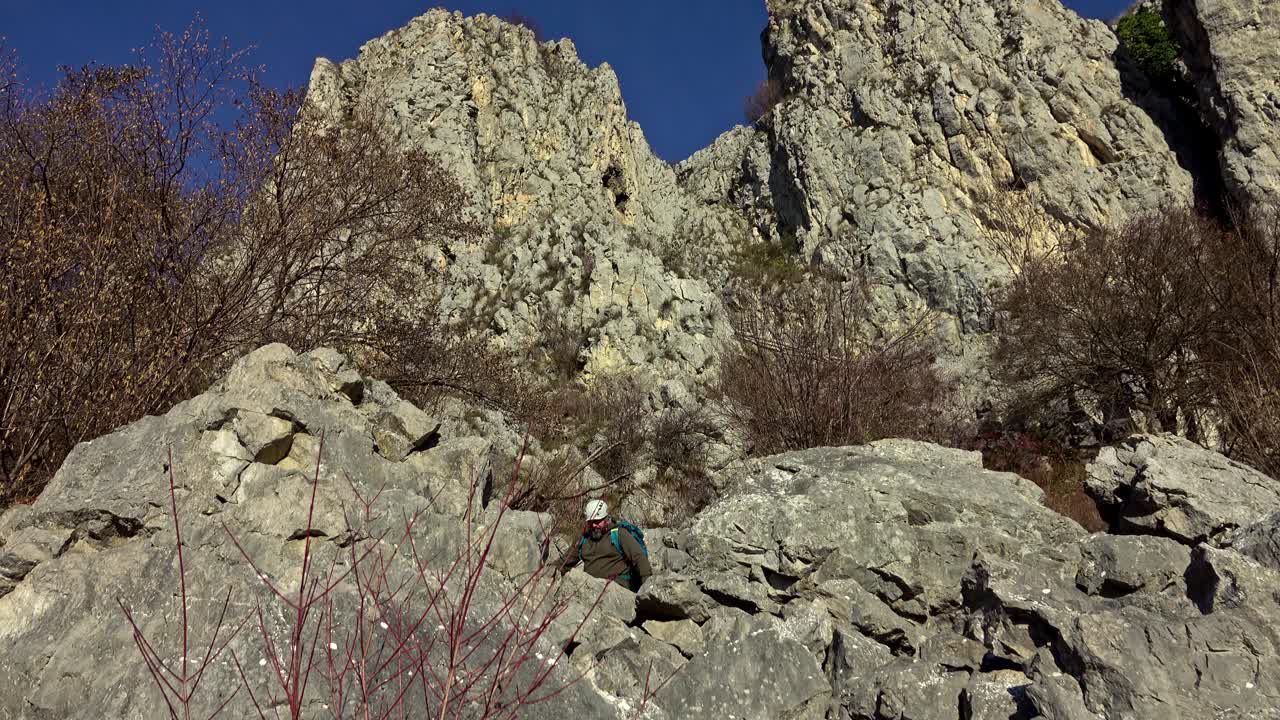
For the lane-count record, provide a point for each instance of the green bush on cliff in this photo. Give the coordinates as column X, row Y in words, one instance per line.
column 1145, row 38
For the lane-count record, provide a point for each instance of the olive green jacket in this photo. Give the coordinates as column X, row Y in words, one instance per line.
column 601, row 559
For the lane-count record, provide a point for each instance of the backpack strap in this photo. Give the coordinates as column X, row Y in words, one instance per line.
column 581, row 541
column 617, row 544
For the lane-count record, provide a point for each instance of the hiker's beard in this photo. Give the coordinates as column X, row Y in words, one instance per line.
column 595, row 533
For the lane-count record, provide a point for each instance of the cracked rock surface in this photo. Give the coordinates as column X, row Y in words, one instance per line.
column 894, row 580
column 1231, row 49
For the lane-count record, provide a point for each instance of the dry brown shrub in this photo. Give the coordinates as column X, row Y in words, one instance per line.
column 594, row 440
column 603, row 439
column 1120, row 316
column 807, row 371
column 1248, row 351
column 143, row 245
column 562, row 342
column 1057, row 469
column 1016, row 229
column 1170, row 322
column 680, row 438
column 763, row 99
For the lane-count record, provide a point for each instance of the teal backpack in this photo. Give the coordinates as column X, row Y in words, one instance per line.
column 636, row 533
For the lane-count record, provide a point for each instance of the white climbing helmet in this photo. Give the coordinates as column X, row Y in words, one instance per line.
column 595, row 510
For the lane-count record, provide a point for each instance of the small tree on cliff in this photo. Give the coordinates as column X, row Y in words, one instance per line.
column 1145, row 38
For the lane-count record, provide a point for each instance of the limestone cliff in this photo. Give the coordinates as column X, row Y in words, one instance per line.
column 898, row 125
column 582, row 210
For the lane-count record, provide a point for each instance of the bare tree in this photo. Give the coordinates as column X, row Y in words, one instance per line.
column 1120, row 316
column 145, row 245
column 1247, row 352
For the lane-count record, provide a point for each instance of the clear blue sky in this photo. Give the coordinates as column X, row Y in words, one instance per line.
column 684, row 65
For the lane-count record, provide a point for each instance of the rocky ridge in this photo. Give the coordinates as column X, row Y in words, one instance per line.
column 907, row 137
column 895, row 580
column 899, row 123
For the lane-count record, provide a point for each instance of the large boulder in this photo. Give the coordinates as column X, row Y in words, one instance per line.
column 764, row 675
column 1260, row 541
column 1166, row 485
column 922, row 585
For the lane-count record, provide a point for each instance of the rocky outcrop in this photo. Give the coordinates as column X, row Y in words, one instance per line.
column 243, row 456
column 923, row 586
column 894, row 580
column 1166, row 485
column 901, row 120
column 1260, row 541
column 907, row 134
column 1231, row 49
column 588, row 224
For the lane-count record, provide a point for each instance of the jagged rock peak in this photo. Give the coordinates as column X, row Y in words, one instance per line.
column 899, row 119
column 585, row 217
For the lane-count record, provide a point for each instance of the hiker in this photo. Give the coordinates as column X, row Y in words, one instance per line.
column 609, row 549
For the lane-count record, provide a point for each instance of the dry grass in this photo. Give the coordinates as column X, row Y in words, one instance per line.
column 1249, row 354
column 1057, row 469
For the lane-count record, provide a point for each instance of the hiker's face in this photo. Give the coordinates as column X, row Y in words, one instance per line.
column 596, row 527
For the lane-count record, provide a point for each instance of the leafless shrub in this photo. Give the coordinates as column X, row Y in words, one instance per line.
column 603, row 439
column 610, row 417
column 1015, row 228
column 1252, row 407
column 179, row 683
column 104, row 219
column 1121, row 316
column 426, row 362
column 758, row 104
column 562, row 342
column 600, row 426
column 145, row 245
column 679, row 440
column 809, row 372
column 1170, row 322
column 1057, row 469
column 384, row 628
column 1248, row 351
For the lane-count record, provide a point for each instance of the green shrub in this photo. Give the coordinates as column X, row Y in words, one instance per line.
column 769, row 263
column 1145, row 38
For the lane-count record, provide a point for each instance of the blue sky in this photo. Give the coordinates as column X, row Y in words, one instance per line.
column 684, row 65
